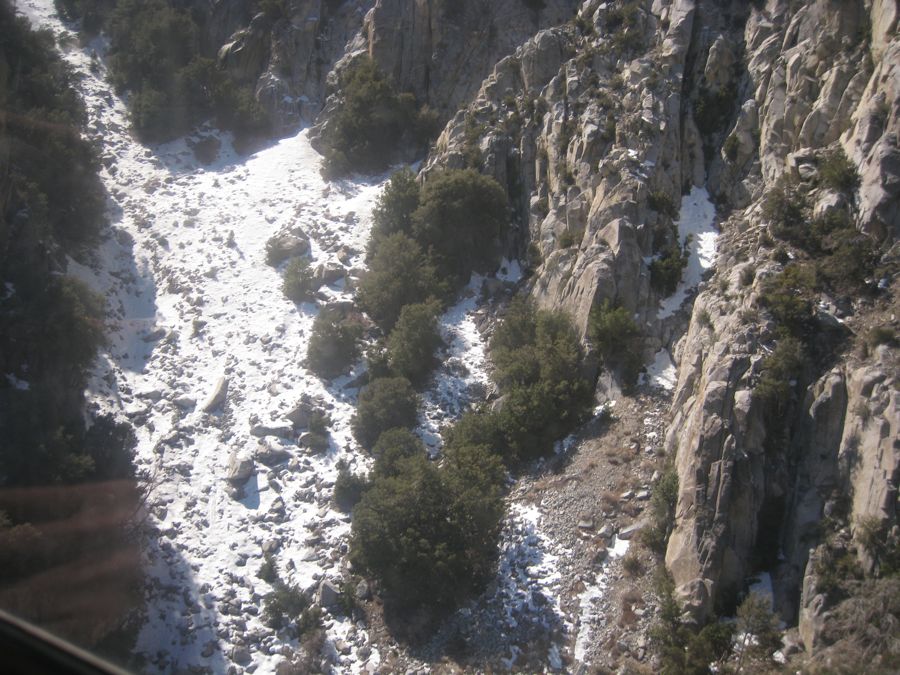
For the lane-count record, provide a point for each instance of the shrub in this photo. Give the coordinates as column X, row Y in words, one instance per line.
column 395, row 446
column 788, row 297
column 570, row 238
column 661, row 202
column 616, row 338
column 882, row 335
column 838, row 173
column 299, row 283
column 386, row 403
column 460, row 219
column 785, row 208
column 779, row 369
column 395, row 207
column 333, row 343
column 663, row 499
column 367, row 128
column 537, row 357
column 413, row 341
column 401, row 535
column 430, row 535
column 399, row 274
column 665, row 271
column 731, row 147
column 760, row 637
column 348, row 487
column 286, row 604
column 268, row 572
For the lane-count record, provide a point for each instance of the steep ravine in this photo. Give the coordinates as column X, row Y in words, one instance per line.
column 616, row 134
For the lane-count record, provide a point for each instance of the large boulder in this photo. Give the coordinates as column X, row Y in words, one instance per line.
column 240, row 468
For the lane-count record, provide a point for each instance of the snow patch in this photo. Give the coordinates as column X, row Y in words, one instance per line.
column 696, row 229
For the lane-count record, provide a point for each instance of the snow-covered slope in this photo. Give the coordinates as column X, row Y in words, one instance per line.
column 192, row 304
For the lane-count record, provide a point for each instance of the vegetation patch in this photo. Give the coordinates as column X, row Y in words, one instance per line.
column 372, row 122
column 617, row 339
column 333, row 345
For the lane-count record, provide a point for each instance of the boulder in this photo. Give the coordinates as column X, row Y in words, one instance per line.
column 217, row 396
column 329, row 594
column 239, row 469
column 286, row 245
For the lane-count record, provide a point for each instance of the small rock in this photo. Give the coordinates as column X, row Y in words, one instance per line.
column 627, row 533
column 241, row 656
column 217, row 396
column 363, row 592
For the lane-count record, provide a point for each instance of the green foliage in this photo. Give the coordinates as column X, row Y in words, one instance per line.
column 333, row 345
column 268, row 571
column 731, row 147
column 155, row 54
column 286, row 604
column 616, row 338
column 665, row 271
column 386, row 403
column 413, row 341
column 876, row 537
column 882, row 335
column 371, row 123
column 429, row 534
column 393, row 448
column 681, row 647
column 299, row 283
column 570, row 238
column 713, row 109
column 460, row 219
column 757, row 627
column 838, row 173
column 537, row 357
column 780, row 368
column 785, row 208
column 661, row 202
column 348, row 487
column 396, row 205
column 663, row 498
column 399, row 274
column 789, row 297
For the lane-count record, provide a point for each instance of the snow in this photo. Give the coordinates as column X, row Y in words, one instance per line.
column 662, row 373
column 695, row 227
column 590, row 610
column 192, row 301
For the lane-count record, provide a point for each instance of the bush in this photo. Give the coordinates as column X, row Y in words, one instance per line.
column 413, row 341
column 460, row 219
column 760, row 637
column 299, row 283
column 537, row 358
column 399, row 274
column 333, row 343
column 785, row 208
column 781, row 367
column 663, row 499
column 348, row 487
column 394, row 210
column 430, row 534
column 789, row 296
column 393, row 448
column 661, row 202
column 838, row 173
column 367, row 128
column 616, row 338
column 665, row 271
column 384, row 404
column 287, row 604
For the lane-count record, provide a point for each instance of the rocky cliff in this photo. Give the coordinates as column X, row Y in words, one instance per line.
column 597, row 127
column 605, row 122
